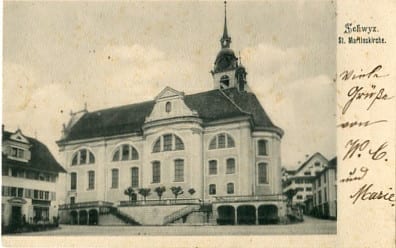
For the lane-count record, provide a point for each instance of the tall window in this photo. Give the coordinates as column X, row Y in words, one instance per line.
column 262, row 173
column 168, row 107
column 83, row 156
column 73, row 181
column 220, row 141
column 125, row 152
column 230, row 188
column 212, row 167
column 91, row 179
column 168, row 142
column 156, row 172
column 114, row 178
column 135, row 177
column 230, row 166
column 212, row 189
column 179, row 170
column 262, row 148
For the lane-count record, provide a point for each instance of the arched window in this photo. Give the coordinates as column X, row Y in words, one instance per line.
column 221, row 140
column 212, row 167
column 224, row 82
column 262, row 148
column 168, row 142
column 83, row 156
column 157, row 145
column 230, row 188
column 230, row 166
column 125, row 152
column 168, row 107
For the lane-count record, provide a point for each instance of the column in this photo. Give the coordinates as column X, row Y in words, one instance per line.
column 257, row 216
column 236, row 215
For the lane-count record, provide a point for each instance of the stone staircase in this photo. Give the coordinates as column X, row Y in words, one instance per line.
column 180, row 213
column 114, row 217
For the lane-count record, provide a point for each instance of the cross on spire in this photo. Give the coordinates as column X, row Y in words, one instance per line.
column 225, row 40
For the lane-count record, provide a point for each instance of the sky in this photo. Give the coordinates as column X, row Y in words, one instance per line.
column 57, row 56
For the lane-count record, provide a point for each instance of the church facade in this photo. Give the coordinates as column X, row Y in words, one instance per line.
column 219, row 147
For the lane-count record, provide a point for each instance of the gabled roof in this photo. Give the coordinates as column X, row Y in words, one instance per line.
column 211, row 106
column 41, row 158
column 309, row 160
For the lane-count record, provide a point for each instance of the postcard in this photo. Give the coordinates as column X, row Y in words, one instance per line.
column 198, row 124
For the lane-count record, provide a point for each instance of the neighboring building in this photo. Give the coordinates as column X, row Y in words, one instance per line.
column 301, row 180
column 221, row 143
column 29, row 181
column 325, row 192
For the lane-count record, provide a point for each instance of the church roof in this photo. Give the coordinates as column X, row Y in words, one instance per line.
column 41, row 158
column 211, row 106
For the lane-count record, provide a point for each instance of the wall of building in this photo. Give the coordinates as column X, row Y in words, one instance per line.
column 240, row 132
column 273, row 161
column 27, row 208
column 196, row 156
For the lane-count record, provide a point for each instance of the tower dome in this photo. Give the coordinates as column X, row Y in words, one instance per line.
column 225, row 60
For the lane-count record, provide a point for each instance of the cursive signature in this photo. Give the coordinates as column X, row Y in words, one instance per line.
column 365, row 194
column 351, row 75
column 350, row 124
column 350, row 178
column 361, row 93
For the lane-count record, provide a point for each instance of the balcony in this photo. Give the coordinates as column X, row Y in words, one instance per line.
column 249, row 198
column 85, row 205
column 163, row 202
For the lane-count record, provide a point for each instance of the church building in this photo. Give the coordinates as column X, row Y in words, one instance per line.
column 214, row 156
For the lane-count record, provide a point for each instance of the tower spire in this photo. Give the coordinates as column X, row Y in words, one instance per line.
column 225, row 40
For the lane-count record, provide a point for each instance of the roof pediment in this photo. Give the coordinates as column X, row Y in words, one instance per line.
column 168, row 93
column 169, row 104
column 19, row 137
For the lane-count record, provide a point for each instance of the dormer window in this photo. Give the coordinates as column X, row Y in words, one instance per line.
column 17, row 152
column 168, row 107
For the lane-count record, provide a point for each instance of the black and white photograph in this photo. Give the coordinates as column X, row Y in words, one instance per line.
column 161, row 118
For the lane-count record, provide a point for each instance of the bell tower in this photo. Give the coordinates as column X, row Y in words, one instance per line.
column 227, row 73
